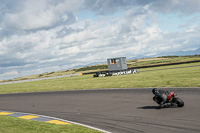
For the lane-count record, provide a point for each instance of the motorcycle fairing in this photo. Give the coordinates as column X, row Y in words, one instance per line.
column 170, row 95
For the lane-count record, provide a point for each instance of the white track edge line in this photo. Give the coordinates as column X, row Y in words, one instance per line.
column 76, row 123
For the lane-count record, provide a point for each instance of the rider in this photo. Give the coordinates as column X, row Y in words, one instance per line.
column 161, row 97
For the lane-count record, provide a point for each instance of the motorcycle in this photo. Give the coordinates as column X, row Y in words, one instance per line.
column 167, row 99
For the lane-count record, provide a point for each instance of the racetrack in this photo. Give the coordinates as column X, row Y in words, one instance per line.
column 115, row 110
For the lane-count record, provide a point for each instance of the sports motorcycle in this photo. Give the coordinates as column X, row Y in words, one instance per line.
column 167, row 99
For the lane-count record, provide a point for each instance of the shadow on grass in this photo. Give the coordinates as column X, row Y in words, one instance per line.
column 149, row 107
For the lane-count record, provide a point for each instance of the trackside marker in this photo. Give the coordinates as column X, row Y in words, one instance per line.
column 6, row 113
column 58, row 122
column 28, row 117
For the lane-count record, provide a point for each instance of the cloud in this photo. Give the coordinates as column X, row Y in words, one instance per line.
column 9, row 74
column 51, row 37
column 186, row 7
column 45, row 14
column 103, row 7
column 33, row 15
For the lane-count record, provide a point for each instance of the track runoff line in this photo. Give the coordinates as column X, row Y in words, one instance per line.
column 47, row 119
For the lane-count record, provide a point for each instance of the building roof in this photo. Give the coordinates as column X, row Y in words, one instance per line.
column 115, row 58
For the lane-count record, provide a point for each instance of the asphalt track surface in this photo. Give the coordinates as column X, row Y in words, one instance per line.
column 114, row 110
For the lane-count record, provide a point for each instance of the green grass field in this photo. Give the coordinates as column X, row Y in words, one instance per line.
column 16, row 125
column 162, row 60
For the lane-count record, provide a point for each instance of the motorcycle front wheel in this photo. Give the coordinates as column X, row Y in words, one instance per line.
column 178, row 101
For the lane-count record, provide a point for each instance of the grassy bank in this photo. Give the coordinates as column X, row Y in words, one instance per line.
column 164, row 60
column 16, row 125
column 179, row 77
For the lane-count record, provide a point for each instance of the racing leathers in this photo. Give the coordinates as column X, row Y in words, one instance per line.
column 161, row 97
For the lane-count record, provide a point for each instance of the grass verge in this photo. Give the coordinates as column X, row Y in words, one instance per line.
column 16, row 125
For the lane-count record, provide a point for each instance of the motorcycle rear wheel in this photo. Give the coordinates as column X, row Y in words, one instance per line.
column 178, row 101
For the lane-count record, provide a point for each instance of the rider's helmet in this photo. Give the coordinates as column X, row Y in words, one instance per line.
column 154, row 90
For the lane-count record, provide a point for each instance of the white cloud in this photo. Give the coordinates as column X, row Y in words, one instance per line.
column 36, row 14
column 185, row 7
column 51, row 37
column 11, row 73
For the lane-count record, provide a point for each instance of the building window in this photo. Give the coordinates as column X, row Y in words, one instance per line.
column 114, row 61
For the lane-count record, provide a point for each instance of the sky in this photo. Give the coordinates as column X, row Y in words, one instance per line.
column 38, row 36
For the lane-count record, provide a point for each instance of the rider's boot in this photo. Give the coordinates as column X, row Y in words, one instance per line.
column 174, row 105
column 165, row 105
column 168, row 105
